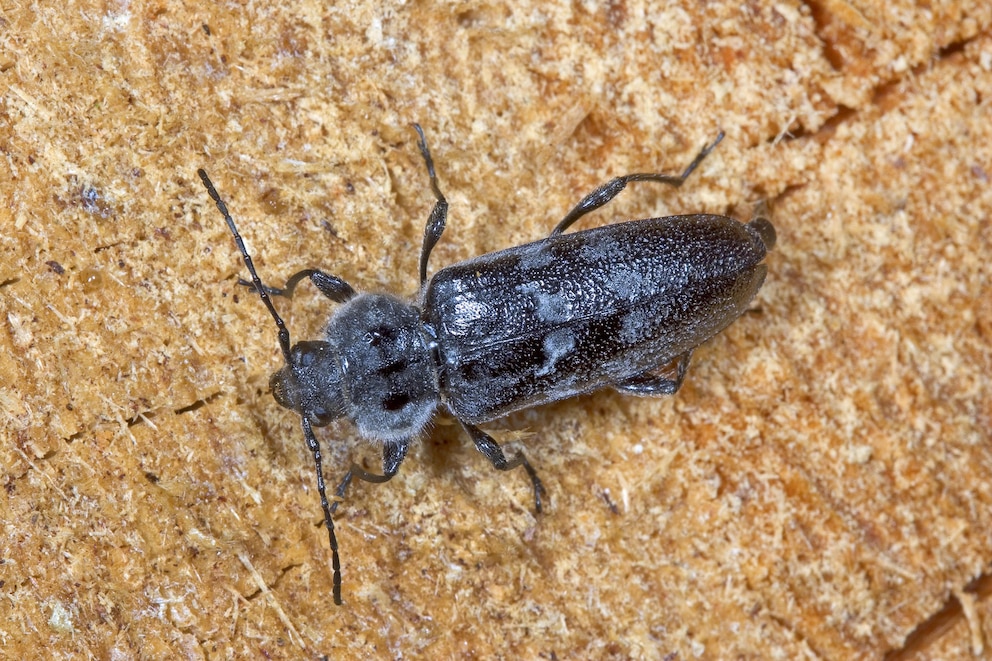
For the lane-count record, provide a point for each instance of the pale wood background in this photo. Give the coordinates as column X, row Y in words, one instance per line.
column 819, row 489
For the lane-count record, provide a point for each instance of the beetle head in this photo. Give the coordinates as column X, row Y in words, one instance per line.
column 311, row 383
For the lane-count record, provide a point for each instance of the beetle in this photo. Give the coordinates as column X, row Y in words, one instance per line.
column 611, row 306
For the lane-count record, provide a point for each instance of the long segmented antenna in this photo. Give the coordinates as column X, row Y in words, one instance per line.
column 314, row 446
column 259, row 287
column 284, row 344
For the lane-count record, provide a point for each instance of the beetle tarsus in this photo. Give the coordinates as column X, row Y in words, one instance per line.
column 494, row 453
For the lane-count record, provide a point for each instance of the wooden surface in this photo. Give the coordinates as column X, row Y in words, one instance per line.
column 820, row 488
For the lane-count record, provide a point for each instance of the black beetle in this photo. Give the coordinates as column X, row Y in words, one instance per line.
column 606, row 307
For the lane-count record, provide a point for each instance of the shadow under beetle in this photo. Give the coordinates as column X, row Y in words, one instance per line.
column 605, row 307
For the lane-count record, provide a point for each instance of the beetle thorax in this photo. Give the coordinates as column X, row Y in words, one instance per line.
column 389, row 379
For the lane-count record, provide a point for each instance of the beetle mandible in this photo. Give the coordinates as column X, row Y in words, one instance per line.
column 572, row 313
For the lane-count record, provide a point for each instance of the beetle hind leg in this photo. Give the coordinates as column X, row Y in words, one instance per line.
column 602, row 195
column 762, row 225
column 494, row 453
column 650, row 383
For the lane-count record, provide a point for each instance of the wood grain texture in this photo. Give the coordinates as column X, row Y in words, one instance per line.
column 819, row 488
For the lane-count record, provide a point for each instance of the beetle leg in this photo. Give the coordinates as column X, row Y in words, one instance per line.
column 652, row 384
column 439, row 215
column 392, row 457
column 494, row 453
column 613, row 187
column 329, row 285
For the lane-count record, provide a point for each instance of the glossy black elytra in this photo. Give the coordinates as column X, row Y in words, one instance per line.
column 605, row 307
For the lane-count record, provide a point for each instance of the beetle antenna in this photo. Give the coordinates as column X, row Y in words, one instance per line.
column 314, row 446
column 285, row 345
column 259, row 287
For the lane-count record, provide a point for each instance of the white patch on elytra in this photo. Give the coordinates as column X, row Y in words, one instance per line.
column 467, row 312
column 548, row 307
column 557, row 344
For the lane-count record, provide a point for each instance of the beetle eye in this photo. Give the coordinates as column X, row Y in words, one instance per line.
column 284, row 389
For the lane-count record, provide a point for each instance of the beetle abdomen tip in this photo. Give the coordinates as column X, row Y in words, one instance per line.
column 765, row 230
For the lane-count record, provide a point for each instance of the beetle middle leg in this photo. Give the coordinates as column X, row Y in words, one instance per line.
column 494, row 453
column 613, row 187
column 653, row 384
column 439, row 214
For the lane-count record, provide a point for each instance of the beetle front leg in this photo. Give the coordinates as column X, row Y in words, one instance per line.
column 652, row 384
column 329, row 285
column 392, row 456
column 494, row 453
